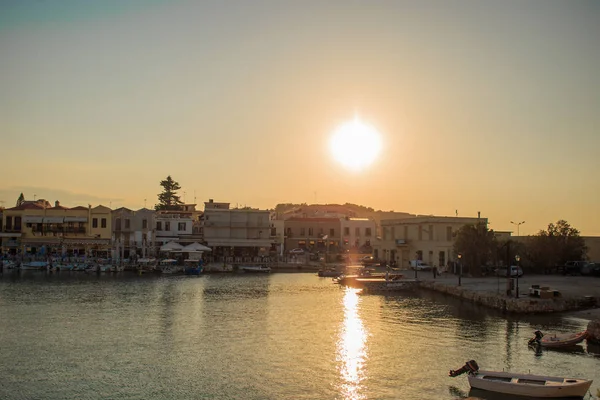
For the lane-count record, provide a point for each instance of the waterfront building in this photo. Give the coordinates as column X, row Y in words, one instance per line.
column 37, row 228
column 426, row 238
column 278, row 234
column 313, row 234
column 358, row 234
column 174, row 225
column 236, row 234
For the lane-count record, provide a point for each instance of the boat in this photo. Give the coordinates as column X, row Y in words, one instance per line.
column 34, row 265
column 255, row 268
column 329, row 273
column 193, row 267
column 557, row 340
column 527, row 385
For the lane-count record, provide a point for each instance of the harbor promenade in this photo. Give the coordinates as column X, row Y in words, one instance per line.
column 569, row 293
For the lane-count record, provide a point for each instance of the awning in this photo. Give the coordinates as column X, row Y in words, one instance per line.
column 53, row 220
column 171, row 246
column 194, row 247
column 33, row 219
column 76, row 219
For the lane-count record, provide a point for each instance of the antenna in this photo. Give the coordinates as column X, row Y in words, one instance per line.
column 34, row 196
column 144, row 203
column 110, row 204
column 456, row 211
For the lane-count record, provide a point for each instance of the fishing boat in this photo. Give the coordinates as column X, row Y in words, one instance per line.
column 255, row 268
column 527, row 385
column 329, row 273
column 193, row 267
column 557, row 340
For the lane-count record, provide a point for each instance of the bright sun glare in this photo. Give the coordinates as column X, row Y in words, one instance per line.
column 355, row 144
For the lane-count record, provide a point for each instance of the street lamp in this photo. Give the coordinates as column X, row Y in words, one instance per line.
column 518, row 224
column 518, row 258
column 416, row 264
column 459, row 269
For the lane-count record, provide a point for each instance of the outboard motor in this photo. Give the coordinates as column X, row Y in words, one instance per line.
column 471, row 367
column 537, row 340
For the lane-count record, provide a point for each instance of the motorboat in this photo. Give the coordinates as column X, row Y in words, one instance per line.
column 34, row 265
column 329, row 273
column 256, row 268
column 557, row 340
column 527, row 385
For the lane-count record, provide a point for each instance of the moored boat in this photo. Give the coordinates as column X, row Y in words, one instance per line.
column 255, row 268
column 34, row 265
column 527, row 385
column 558, row 340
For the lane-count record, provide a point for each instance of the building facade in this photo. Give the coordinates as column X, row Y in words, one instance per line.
column 426, row 238
column 358, row 234
column 313, row 234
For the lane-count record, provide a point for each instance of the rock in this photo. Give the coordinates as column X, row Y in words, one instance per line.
column 593, row 330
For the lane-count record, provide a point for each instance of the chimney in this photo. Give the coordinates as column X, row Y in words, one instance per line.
column 478, row 214
column 210, row 200
column 56, row 203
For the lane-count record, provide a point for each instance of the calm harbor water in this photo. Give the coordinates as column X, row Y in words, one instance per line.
column 236, row 336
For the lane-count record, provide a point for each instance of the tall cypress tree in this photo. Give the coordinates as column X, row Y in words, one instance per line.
column 20, row 200
column 168, row 199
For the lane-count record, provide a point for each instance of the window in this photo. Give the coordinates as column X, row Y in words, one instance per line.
column 321, row 232
column 357, row 232
column 288, row 232
column 384, row 232
column 9, row 223
column 302, row 231
column 442, row 258
column 103, row 223
column 127, row 223
column 118, row 224
column 393, row 232
column 144, row 223
column 94, row 222
column 449, row 233
column 158, row 225
column 331, row 232
column 167, row 225
column 405, row 232
column 420, row 232
column 181, row 226
column 368, row 231
column 17, row 223
column 310, row 231
column 346, row 231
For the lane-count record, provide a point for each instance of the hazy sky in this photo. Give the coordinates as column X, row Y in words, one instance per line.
column 490, row 106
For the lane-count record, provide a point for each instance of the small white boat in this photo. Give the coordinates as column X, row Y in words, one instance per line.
column 255, row 268
column 527, row 385
column 558, row 340
column 34, row 265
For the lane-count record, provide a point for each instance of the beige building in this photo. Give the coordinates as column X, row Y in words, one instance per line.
column 37, row 228
column 427, row 238
column 236, row 232
column 313, row 234
column 358, row 233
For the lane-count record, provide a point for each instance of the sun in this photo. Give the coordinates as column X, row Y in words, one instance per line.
column 355, row 145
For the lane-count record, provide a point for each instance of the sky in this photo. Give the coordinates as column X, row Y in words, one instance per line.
column 482, row 106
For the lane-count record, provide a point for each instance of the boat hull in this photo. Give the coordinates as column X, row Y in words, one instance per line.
column 563, row 340
column 529, row 385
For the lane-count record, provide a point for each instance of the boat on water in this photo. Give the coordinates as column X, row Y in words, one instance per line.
column 557, row 340
column 255, row 268
column 329, row 273
column 527, row 385
column 34, row 265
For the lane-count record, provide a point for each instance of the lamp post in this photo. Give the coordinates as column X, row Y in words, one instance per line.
column 459, row 269
column 518, row 224
column 518, row 258
column 416, row 263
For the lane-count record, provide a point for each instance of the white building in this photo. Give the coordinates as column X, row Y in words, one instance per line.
column 173, row 226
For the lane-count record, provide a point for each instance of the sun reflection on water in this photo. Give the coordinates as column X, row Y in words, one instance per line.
column 351, row 353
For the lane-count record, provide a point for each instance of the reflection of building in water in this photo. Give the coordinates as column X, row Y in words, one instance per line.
column 351, row 353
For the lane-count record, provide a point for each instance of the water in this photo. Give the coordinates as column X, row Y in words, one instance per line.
column 275, row 336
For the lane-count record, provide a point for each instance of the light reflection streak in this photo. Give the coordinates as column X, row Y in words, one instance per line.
column 351, row 354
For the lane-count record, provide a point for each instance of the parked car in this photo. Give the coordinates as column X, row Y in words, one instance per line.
column 573, row 267
column 297, row 251
column 591, row 269
column 419, row 265
column 367, row 260
column 514, row 271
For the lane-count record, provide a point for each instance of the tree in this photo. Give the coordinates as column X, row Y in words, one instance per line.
column 168, row 199
column 477, row 245
column 556, row 245
column 20, row 200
